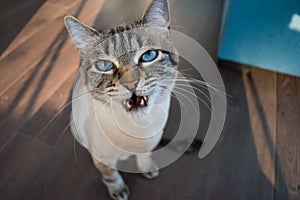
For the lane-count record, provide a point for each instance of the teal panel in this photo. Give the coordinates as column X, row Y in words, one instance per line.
column 258, row 33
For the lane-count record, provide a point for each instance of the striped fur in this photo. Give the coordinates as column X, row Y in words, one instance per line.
column 128, row 77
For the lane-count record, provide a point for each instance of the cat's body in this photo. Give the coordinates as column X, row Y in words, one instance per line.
column 121, row 96
column 95, row 119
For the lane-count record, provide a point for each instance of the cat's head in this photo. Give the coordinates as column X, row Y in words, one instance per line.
column 132, row 64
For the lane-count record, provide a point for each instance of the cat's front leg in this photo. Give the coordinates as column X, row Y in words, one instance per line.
column 114, row 182
column 147, row 166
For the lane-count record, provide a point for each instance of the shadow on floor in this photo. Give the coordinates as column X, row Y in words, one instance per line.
column 14, row 15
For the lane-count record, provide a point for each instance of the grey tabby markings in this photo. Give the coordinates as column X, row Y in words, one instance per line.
column 121, row 45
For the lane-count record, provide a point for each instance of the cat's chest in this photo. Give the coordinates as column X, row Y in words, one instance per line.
column 136, row 124
column 110, row 132
column 100, row 124
column 101, row 129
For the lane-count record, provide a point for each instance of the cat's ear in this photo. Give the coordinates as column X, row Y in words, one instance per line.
column 158, row 14
column 82, row 35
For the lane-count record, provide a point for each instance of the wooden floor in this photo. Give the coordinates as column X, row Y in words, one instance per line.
column 256, row 158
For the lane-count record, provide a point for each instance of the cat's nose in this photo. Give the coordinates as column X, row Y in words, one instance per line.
column 129, row 77
column 131, row 85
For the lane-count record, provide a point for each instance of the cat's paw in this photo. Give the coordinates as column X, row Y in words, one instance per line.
column 152, row 171
column 147, row 167
column 117, row 189
column 120, row 193
column 152, row 174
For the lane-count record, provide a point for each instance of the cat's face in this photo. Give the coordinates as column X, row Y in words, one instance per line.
column 133, row 64
column 131, row 68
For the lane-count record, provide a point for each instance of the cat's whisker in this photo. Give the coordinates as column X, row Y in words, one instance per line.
column 179, row 26
column 180, row 102
column 74, row 149
column 183, row 96
column 62, row 135
column 195, row 88
column 191, row 93
column 189, row 79
column 78, row 138
column 209, row 85
column 201, row 100
column 104, row 98
column 174, row 95
column 221, row 93
column 203, row 85
column 193, row 80
column 178, row 93
column 57, row 113
column 181, row 71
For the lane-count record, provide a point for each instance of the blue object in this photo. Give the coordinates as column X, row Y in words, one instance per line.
column 260, row 33
column 104, row 65
column 149, row 56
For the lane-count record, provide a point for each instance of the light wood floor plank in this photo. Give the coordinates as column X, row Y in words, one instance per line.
column 260, row 87
column 287, row 138
column 47, row 13
column 41, row 79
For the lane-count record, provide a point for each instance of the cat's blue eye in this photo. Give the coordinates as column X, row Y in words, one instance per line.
column 149, row 56
column 104, row 65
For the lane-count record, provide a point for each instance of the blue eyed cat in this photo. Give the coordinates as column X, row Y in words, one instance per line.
column 122, row 92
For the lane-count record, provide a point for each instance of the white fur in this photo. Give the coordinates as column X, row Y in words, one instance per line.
column 111, row 133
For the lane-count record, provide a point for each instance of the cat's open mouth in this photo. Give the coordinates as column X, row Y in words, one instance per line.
column 136, row 102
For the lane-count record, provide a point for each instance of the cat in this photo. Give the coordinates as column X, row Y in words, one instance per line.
column 126, row 74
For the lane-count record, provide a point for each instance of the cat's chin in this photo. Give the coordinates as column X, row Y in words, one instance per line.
column 138, row 111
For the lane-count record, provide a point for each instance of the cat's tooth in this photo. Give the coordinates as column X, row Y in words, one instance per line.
column 128, row 105
column 146, row 98
column 142, row 102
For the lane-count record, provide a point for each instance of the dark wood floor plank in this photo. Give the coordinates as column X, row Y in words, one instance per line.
column 297, row 170
column 172, row 183
column 72, row 175
column 24, row 166
column 232, row 170
column 287, row 138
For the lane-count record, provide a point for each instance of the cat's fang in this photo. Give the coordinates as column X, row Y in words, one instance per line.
column 142, row 102
column 128, row 105
column 136, row 102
